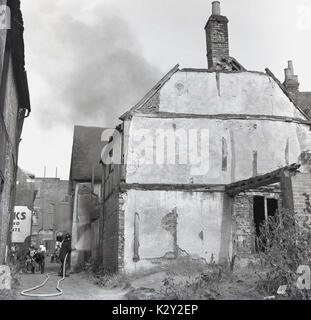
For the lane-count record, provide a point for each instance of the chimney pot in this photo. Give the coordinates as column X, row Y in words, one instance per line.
column 291, row 80
column 216, row 8
column 291, row 67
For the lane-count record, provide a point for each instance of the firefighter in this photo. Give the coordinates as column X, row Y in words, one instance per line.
column 64, row 250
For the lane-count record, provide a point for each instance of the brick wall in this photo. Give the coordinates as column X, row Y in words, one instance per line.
column 301, row 195
column 50, row 192
column 243, row 225
column 244, row 234
column 121, row 232
column 113, row 233
column 301, row 187
column 296, row 192
column 217, row 39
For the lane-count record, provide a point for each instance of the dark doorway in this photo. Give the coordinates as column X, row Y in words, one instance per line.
column 264, row 208
column 259, row 213
column 272, row 207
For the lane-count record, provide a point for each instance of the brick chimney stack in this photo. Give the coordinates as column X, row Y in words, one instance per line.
column 291, row 80
column 217, row 39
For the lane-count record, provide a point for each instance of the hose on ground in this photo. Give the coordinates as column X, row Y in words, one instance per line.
column 60, row 291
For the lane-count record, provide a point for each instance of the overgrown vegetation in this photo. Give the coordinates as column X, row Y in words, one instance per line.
column 7, row 295
column 112, row 280
column 184, row 278
column 285, row 244
column 204, row 286
column 104, row 278
column 190, row 279
column 11, row 294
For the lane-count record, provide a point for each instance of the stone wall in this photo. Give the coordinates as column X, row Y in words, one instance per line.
column 10, row 119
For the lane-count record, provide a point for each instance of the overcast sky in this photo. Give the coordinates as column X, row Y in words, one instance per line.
column 90, row 61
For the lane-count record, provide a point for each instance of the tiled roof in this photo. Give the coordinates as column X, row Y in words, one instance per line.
column 304, row 101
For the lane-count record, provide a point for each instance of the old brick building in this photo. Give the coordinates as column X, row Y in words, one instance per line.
column 51, row 216
column 197, row 165
column 14, row 108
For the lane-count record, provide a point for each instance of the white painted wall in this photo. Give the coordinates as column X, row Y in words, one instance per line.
column 239, row 93
column 197, row 212
column 267, row 138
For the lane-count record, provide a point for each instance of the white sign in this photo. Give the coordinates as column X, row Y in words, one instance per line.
column 21, row 224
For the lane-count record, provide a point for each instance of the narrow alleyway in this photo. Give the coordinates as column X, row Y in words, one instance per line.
column 74, row 287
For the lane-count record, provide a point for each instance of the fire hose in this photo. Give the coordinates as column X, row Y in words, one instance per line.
column 60, row 291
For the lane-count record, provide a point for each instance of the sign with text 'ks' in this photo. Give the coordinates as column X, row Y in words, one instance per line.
column 21, row 224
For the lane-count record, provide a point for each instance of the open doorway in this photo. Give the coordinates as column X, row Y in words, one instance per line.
column 263, row 209
column 272, row 207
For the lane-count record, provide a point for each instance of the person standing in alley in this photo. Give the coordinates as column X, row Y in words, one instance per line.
column 64, row 250
column 41, row 257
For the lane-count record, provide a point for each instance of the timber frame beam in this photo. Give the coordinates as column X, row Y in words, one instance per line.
column 259, row 181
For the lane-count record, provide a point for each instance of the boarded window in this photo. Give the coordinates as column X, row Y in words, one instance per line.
column 224, row 164
column 255, row 163
column 136, row 238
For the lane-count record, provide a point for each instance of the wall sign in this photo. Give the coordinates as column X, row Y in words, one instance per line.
column 21, row 224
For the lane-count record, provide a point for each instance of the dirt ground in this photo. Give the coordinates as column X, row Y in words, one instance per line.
column 75, row 287
column 239, row 286
column 229, row 289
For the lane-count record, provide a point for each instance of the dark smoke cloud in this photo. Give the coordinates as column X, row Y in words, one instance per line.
column 85, row 65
